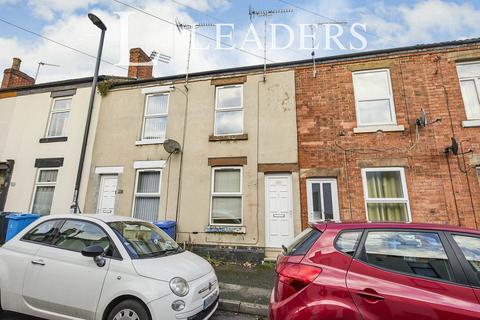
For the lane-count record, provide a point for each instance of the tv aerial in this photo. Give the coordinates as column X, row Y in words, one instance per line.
column 160, row 57
column 313, row 28
column 189, row 27
column 41, row 64
column 265, row 14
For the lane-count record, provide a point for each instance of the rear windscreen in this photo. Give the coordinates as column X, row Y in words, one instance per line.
column 303, row 242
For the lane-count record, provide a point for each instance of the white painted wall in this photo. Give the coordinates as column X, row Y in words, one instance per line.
column 28, row 123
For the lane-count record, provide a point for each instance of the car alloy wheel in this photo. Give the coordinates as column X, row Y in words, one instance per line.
column 126, row 314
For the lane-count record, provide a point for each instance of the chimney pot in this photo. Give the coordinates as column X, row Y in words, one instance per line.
column 16, row 63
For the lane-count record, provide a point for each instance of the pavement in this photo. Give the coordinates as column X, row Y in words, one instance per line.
column 245, row 288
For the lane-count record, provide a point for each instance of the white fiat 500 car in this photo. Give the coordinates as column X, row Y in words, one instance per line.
column 103, row 268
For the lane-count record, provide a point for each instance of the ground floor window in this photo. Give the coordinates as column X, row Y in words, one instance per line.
column 322, row 197
column 44, row 190
column 227, row 197
column 147, row 195
column 386, row 196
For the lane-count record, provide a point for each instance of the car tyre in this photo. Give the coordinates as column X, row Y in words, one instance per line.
column 129, row 310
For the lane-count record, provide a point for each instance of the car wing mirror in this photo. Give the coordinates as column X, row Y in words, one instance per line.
column 96, row 252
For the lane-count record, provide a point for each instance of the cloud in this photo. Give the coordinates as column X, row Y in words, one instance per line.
column 422, row 22
column 143, row 31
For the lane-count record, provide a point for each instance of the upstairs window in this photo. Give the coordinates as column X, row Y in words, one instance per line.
column 59, row 115
column 469, row 75
column 374, row 98
column 155, row 118
column 386, row 195
column 229, row 110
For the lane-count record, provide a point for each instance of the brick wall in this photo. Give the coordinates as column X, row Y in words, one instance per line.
column 13, row 77
column 439, row 191
column 140, row 64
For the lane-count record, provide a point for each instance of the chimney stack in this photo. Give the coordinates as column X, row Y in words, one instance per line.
column 13, row 77
column 141, row 66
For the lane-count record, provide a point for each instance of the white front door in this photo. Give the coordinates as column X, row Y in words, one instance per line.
column 278, row 210
column 107, row 194
column 322, row 197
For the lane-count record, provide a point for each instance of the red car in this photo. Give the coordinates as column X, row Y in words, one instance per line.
column 379, row 271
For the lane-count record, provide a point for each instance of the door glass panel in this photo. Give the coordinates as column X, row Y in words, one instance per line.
column 316, row 202
column 76, row 235
column 415, row 253
column 327, row 201
column 347, row 242
column 43, row 233
column 470, row 247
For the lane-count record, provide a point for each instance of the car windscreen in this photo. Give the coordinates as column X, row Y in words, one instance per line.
column 143, row 239
column 303, row 242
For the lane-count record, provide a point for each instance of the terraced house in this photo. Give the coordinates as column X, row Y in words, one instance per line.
column 391, row 135
column 42, row 128
column 217, row 155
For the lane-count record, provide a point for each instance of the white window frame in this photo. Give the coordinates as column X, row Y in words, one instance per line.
column 476, row 81
column 239, row 108
column 405, row 198
column 147, row 195
column 52, row 112
column 156, row 115
column 357, row 101
column 43, row 184
column 335, row 203
column 226, row 194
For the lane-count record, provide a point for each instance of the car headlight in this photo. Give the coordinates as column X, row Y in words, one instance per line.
column 179, row 286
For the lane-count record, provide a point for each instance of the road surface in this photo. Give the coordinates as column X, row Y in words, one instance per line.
column 219, row 315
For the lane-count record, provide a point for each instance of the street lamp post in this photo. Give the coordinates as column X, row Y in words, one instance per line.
column 97, row 22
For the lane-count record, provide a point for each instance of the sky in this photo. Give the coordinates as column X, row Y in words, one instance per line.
column 45, row 28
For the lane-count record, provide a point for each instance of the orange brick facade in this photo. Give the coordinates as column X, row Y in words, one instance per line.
column 441, row 189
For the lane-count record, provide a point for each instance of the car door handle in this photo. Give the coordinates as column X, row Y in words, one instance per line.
column 39, row 262
column 370, row 294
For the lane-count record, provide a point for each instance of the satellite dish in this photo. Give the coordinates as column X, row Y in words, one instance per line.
column 172, row 146
column 453, row 148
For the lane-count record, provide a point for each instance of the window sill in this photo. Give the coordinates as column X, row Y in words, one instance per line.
column 53, row 139
column 383, row 128
column 226, row 229
column 233, row 137
column 147, row 142
column 471, row 123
